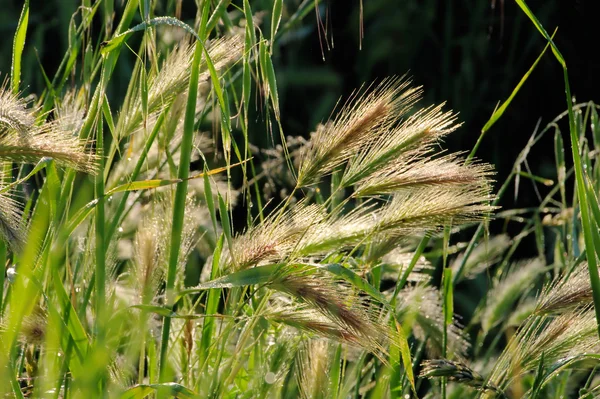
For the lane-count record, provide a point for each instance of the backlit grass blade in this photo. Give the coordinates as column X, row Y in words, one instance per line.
column 119, row 39
column 101, row 244
column 18, row 45
column 208, row 197
column 180, row 197
column 500, row 111
column 255, row 275
column 212, row 304
column 588, row 234
column 214, row 19
column 276, row 18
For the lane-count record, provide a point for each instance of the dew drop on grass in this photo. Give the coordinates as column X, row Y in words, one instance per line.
column 270, row 377
column 11, row 274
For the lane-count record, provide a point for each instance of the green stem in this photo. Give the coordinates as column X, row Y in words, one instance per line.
column 583, row 204
column 180, row 199
column 100, row 241
column 117, row 217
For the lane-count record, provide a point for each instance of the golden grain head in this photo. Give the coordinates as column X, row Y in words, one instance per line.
column 11, row 227
column 566, row 292
column 366, row 113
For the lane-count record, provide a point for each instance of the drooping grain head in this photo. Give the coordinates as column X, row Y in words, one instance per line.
column 506, row 292
column 333, row 309
column 567, row 292
column 28, row 142
column 312, row 371
column 366, row 113
column 273, row 239
column 11, row 227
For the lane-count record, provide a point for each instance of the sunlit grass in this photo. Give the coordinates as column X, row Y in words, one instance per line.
column 128, row 273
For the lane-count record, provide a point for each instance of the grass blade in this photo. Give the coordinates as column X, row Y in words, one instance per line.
column 18, row 45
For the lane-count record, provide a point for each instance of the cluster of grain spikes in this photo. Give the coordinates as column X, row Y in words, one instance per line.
column 559, row 334
column 383, row 149
column 332, row 309
column 26, row 140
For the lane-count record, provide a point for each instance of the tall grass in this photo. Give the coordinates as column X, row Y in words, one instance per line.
column 128, row 273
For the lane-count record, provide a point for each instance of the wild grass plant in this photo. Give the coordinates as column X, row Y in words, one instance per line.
column 129, row 274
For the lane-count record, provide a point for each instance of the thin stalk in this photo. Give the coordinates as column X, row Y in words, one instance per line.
column 117, row 217
column 179, row 202
column 583, row 204
column 100, row 282
column 588, row 233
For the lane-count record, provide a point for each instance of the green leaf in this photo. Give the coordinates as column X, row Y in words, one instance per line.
column 541, row 29
column 448, row 296
column 217, row 14
column 406, row 358
column 249, row 21
column 212, row 303
column 210, row 203
column 500, row 111
column 276, row 18
column 356, row 281
column 40, row 165
column 118, row 40
column 269, row 72
column 255, row 275
column 18, row 46
column 225, row 222
column 149, row 184
column 539, row 378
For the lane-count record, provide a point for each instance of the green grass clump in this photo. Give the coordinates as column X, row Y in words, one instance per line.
column 130, row 273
